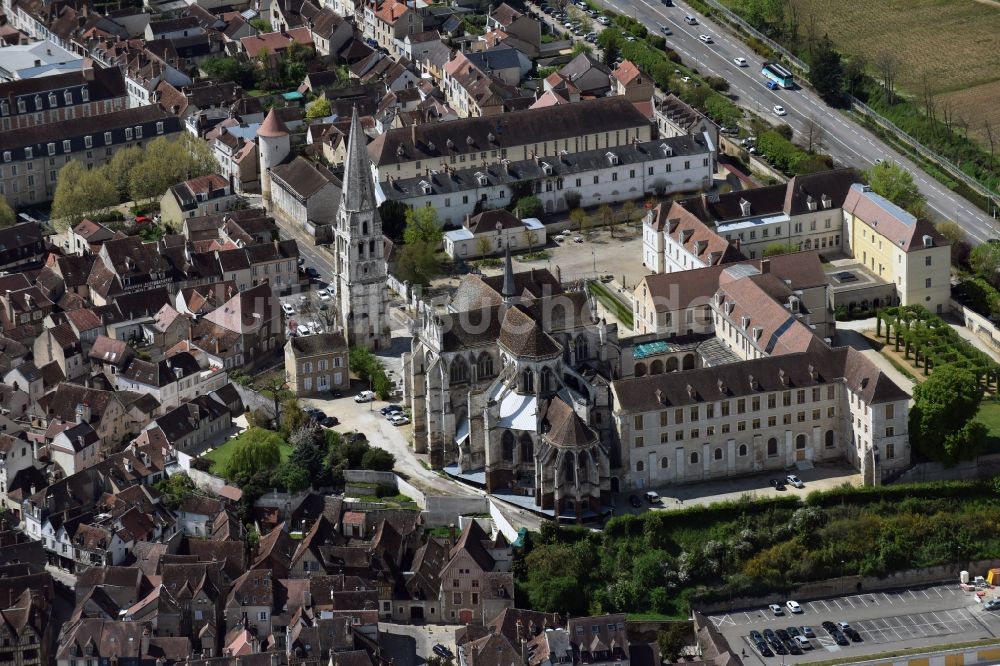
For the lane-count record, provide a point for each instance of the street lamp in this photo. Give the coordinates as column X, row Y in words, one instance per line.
column 593, row 253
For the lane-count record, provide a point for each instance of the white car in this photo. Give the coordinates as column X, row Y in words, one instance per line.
column 803, row 643
column 793, row 480
column 776, row 609
column 666, row 30
column 705, row 38
column 398, row 419
column 740, row 62
column 629, row 38
column 686, row 79
column 364, row 396
column 324, row 295
column 793, row 606
column 779, row 110
column 287, row 309
column 302, row 330
column 314, row 327
column 604, row 20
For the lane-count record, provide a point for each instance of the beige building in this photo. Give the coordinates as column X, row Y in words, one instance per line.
column 899, row 248
column 317, row 363
column 196, row 197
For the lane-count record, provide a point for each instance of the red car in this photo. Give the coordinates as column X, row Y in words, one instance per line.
column 143, row 219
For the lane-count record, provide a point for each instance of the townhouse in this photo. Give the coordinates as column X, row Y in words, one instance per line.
column 61, row 97
column 197, row 197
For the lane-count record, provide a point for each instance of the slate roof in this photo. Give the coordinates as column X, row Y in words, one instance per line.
column 318, row 344
column 303, row 178
column 521, row 335
column 566, row 428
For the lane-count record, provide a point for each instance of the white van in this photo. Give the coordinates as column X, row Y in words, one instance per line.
column 652, row 498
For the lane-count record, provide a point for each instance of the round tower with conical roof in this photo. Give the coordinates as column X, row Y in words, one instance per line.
column 273, row 146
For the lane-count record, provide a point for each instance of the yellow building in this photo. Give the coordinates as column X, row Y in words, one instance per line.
column 899, row 248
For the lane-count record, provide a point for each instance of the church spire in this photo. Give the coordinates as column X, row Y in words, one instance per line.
column 358, row 192
column 508, row 278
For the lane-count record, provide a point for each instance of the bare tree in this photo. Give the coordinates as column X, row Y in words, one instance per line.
column 888, row 67
column 814, row 135
column 930, row 108
column 988, row 129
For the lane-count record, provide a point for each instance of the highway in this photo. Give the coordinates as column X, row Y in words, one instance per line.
column 846, row 141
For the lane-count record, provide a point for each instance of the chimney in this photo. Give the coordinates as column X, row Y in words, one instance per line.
column 451, row 535
column 765, row 266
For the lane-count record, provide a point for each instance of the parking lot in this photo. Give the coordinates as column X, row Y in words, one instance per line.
column 917, row 617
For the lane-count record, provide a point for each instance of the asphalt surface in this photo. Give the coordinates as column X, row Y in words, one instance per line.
column 846, row 141
column 892, row 620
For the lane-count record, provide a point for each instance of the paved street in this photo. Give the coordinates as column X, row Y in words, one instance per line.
column 410, row 645
column 846, row 141
column 892, row 620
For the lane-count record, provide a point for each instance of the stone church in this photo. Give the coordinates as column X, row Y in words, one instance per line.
column 511, row 381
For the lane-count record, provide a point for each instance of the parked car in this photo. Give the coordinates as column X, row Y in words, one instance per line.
column 652, row 497
column 301, row 330
column 776, row 609
column 779, row 110
column 329, row 422
column 399, row 419
column 668, row 3
column 808, row 632
column 634, row 501
column 324, row 294
column 288, row 309
column 853, row 634
column 740, row 61
column 764, row 650
column 843, row 625
column 705, row 38
column 792, row 647
column 604, row 20
column 782, row 635
column 830, row 627
column 390, row 409
column 840, row 638
column 992, row 605
column 793, row 606
column 364, row 396
column 777, row 484
column 312, row 273
column 779, row 647
column 803, row 643
column 755, row 636
column 317, row 414
column 793, row 480
column 442, row 651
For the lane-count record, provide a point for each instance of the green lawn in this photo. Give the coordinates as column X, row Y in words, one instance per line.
column 220, row 456
column 611, row 302
column 989, row 415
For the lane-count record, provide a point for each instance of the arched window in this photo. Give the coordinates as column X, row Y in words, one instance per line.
column 689, row 362
column 582, row 349
column 672, row 364
column 694, row 458
column 800, row 442
column 528, row 381
column 568, row 469
column 507, row 446
column 548, row 380
column 527, row 448
column 581, row 472
column 743, row 449
column 459, row 370
column 484, row 366
column 718, row 454
column 772, row 447
column 640, row 369
column 664, row 462
column 364, row 228
column 829, row 439
column 639, row 466
column 656, row 367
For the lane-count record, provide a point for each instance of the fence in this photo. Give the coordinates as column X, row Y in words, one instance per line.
column 925, row 152
column 729, row 16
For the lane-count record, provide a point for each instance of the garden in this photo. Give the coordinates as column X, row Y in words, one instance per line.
column 665, row 562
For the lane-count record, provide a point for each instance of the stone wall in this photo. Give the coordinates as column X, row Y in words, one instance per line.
column 442, row 511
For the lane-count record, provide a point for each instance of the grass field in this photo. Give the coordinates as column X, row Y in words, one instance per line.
column 989, row 415
column 220, row 456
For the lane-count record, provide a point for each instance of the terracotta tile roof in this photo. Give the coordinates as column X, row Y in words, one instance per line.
column 566, row 428
column 627, row 73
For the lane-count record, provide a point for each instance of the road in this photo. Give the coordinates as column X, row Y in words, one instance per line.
column 846, row 141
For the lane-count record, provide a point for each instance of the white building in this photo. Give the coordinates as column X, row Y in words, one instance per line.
column 492, row 232
column 606, row 176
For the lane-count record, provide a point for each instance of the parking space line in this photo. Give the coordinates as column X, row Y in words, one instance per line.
column 938, row 590
column 887, row 598
column 926, row 594
column 913, row 595
column 749, row 619
column 848, row 600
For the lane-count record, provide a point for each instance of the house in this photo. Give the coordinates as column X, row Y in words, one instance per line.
column 110, row 357
column 317, row 363
column 274, row 44
column 491, row 233
column 474, row 91
column 675, row 117
column 388, row 24
column 72, row 403
column 630, row 82
column 61, row 345
column 517, row 24
column 21, row 246
column 193, row 424
column 28, row 155
column 75, row 448
column 88, row 236
column 476, row 581
column 16, row 454
column 589, row 76
column 170, row 381
column 197, row 197
column 197, row 513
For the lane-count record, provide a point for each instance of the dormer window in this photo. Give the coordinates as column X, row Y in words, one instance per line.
column 85, row 94
column 107, row 138
column 28, row 153
column 745, row 321
column 482, row 179
column 547, row 168
column 4, row 108
column 68, row 97
column 128, row 133
column 88, row 141
column 612, row 158
column 138, row 131
column 827, row 201
column 67, row 146
column 811, row 203
column 51, row 148
column 53, row 100
column 425, row 187
column 21, row 106
column 159, row 127
column 6, row 156
column 38, row 102
column 667, row 150
column 745, row 207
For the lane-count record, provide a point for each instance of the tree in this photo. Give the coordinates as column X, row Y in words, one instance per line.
column 607, row 217
column 530, row 206
column 826, row 71
column 773, row 249
column 309, row 452
column 254, row 450
column 292, row 416
column 628, row 211
column 378, row 459
column 942, row 419
column 422, row 226
column 580, row 219
column 119, row 167
column 78, row 192
column 169, row 161
column 896, row 184
column 813, row 134
column 393, row 214
column 887, row 65
column 262, row 25
column 7, row 215
column 960, row 248
column 229, row 69
column 293, row 478
column 573, row 199
column 483, row 247
column 674, row 638
column 985, row 262
column 175, row 488
column 319, row 108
